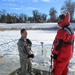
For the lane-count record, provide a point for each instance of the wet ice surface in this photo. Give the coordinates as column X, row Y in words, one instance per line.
column 8, row 48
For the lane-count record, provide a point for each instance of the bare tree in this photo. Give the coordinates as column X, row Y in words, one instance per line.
column 69, row 6
column 14, row 18
column 36, row 16
column 30, row 19
column 52, row 14
column 43, row 17
column 25, row 18
column 3, row 17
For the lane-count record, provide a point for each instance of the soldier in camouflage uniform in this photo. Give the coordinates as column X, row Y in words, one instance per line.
column 24, row 48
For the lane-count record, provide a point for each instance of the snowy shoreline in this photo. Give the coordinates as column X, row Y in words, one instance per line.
column 31, row 26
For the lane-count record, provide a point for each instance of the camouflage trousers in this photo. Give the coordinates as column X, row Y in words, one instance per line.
column 26, row 66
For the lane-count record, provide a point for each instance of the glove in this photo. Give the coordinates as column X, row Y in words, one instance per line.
column 31, row 56
column 54, row 54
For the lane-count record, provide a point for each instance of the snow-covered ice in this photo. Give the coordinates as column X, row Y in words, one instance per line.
column 8, row 48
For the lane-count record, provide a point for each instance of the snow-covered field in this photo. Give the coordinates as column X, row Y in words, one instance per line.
column 28, row 25
column 31, row 25
column 8, row 49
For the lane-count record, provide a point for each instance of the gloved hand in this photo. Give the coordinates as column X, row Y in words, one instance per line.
column 54, row 54
column 31, row 56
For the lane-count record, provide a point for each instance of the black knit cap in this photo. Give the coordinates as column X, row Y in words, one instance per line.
column 62, row 16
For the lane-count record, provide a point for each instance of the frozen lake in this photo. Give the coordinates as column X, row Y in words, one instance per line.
column 8, row 48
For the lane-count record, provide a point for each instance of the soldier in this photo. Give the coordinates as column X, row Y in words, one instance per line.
column 24, row 48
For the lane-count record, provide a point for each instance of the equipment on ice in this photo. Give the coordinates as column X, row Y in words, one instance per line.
column 42, row 46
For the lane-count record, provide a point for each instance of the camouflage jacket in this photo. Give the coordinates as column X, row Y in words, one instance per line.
column 24, row 47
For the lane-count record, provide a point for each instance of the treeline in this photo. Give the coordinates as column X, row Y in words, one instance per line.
column 69, row 6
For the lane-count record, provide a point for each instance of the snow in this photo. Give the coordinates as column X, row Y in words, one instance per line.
column 31, row 25
column 8, row 49
column 28, row 25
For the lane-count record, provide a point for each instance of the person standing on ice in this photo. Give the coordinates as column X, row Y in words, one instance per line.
column 63, row 46
column 25, row 53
